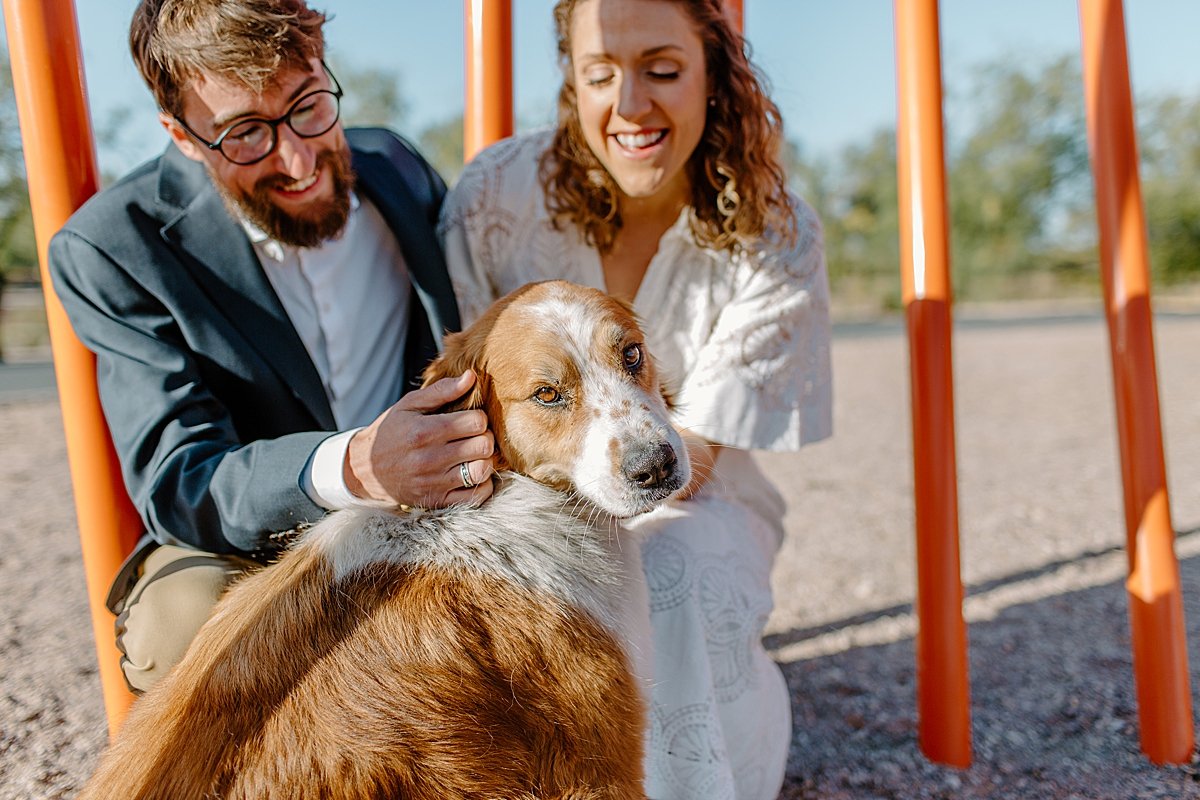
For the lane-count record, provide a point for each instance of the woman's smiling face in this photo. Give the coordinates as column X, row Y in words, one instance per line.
column 642, row 92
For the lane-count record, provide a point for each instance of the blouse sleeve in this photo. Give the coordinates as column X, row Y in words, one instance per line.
column 762, row 379
column 482, row 216
column 459, row 231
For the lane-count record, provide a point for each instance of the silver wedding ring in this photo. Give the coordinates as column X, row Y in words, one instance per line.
column 466, row 476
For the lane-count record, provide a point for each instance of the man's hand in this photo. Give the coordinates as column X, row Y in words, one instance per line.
column 411, row 456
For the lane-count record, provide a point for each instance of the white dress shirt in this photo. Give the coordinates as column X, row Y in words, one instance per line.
column 348, row 299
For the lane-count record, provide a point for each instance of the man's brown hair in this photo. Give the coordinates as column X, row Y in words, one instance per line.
column 246, row 42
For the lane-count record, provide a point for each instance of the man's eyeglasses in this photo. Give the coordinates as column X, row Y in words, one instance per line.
column 249, row 141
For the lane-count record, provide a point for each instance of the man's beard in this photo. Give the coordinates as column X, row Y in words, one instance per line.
column 318, row 222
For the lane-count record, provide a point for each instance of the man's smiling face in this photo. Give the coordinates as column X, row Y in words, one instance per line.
column 300, row 193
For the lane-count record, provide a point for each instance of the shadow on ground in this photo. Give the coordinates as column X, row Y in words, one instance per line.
column 1053, row 707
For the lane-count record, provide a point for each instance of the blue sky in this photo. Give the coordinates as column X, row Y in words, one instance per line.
column 830, row 62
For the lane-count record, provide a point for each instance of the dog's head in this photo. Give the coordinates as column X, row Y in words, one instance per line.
column 572, row 395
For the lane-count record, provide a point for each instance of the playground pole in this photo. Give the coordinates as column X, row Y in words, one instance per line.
column 1155, row 599
column 488, row 110
column 60, row 162
column 736, row 9
column 943, row 691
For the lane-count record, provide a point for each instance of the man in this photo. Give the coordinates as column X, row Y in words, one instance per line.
column 261, row 300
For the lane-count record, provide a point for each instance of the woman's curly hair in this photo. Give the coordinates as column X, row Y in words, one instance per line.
column 739, row 189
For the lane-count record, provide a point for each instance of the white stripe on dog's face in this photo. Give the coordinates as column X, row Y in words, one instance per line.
column 579, row 405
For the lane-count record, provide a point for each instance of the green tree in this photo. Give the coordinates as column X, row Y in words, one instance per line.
column 869, row 220
column 442, row 145
column 18, row 247
column 854, row 195
column 372, row 97
column 1169, row 139
column 1020, row 190
column 18, row 252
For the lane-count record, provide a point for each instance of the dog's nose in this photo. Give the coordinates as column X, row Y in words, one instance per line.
column 649, row 467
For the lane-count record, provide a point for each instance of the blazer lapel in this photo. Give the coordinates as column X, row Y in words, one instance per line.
column 436, row 312
column 223, row 261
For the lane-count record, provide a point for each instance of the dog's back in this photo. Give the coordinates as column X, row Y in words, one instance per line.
column 397, row 679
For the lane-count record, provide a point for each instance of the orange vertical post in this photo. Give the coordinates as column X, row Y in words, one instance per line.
column 488, row 111
column 1155, row 599
column 736, row 10
column 943, row 691
column 60, row 161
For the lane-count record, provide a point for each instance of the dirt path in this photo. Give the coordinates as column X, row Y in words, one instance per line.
column 1053, row 709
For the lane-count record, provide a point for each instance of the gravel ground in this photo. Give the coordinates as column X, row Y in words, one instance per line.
column 1053, row 710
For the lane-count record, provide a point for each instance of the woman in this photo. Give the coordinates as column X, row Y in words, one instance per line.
column 662, row 185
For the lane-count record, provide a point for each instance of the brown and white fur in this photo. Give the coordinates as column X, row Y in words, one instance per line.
column 466, row 652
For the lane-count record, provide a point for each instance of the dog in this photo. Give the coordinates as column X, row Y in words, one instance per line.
column 454, row 653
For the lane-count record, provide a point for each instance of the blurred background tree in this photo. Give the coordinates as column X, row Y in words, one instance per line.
column 855, row 197
column 18, row 248
column 442, row 144
column 1020, row 184
column 1019, row 191
column 1169, row 137
column 372, row 97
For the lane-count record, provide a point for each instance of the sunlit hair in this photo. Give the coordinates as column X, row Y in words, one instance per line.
column 246, row 42
column 742, row 137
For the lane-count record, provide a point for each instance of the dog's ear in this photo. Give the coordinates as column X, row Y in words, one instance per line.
column 461, row 352
column 468, row 350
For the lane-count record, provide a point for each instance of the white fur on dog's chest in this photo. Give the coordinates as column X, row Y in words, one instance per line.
column 526, row 534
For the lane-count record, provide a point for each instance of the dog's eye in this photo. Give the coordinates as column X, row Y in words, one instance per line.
column 633, row 357
column 548, row 396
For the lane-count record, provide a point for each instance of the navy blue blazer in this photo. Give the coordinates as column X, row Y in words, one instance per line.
column 214, row 404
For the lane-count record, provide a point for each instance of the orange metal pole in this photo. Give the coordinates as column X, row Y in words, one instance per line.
column 56, row 134
column 1155, row 598
column 736, row 9
column 488, row 111
column 943, row 691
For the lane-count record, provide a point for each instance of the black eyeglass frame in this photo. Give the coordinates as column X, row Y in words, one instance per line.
column 274, row 124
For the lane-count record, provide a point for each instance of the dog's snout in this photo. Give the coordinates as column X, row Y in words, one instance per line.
column 650, row 467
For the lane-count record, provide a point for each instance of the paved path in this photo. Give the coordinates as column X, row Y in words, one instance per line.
column 1042, row 532
column 26, row 380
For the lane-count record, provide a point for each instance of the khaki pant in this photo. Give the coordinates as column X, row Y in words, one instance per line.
column 172, row 598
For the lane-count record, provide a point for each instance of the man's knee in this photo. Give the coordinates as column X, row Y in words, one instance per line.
column 167, row 605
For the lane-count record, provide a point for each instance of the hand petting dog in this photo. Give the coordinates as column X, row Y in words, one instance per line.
column 413, row 457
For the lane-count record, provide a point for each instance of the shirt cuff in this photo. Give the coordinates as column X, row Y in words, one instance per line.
column 324, row 481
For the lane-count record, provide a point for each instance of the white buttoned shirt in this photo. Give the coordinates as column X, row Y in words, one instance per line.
column 348, row 299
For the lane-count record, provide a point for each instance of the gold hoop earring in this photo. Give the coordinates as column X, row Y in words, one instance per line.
column 728, row 198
